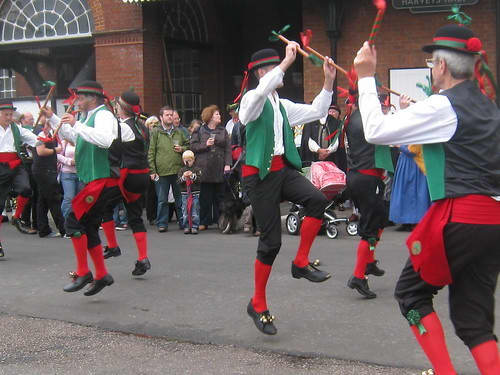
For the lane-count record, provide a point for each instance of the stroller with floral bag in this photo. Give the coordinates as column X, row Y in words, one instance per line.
column 331, row 181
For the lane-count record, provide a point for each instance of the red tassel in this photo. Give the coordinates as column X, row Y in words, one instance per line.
column 244, row 85
column 305, row 37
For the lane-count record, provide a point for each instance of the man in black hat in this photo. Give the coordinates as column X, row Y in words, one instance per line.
column 134, row 181
column 457, row 243
column 271, row 171
column 13, row 175
column 97, row 159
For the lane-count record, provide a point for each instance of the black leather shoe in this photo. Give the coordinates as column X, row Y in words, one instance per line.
column 98, row 285
column 21, row 228
column 2, row 253
column 309, row 272
column 78, row 281
column 263, row 321
column 111, row 252
column 372, row 269
column 141, row 266
column 361, row 285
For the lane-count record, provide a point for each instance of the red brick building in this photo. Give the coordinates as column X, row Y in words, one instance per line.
column 191, row 53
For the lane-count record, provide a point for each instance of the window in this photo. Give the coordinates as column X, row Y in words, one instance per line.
column 7, row 84
column 34, row 20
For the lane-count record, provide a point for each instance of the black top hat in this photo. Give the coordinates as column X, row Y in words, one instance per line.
column 130, row 101
column 264, row 57
column 90, row 88
column 455, row 38
column 7, row 104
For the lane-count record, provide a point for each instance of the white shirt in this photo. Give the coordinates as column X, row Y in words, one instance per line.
column 432, row 120
column 7, row 138
column 104, row 132
column 230, row 126
column 253, row 102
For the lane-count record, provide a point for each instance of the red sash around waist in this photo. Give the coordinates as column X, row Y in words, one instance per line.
column 277, row 163
column 128, row 195
column 377, row 172
column 10, row 158
column 88, row 196
column 426, row 242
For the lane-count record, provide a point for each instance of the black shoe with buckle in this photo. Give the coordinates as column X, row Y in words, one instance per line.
column 263, row 321
column 361, row 285
column 111, row 252
column 310, row 272
column 141, row 266
column 373, row 269
column 21, row 228
column 78, row 281
column 98, row 285
column 2, row 253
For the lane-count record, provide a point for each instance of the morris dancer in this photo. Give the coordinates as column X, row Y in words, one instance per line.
column 457, row 243
column 271, row 171
column 98, row 167
column 13, row 175
column 134, row 182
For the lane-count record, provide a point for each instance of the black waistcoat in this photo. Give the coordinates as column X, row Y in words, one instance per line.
column 134, row 153
column 360, row 154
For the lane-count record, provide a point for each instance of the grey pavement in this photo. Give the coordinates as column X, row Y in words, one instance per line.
column 199, row 286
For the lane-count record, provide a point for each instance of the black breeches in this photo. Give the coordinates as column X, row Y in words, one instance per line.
column 265, row 196
column 16, row 180
column 136, row 183
column 49, row 199
column 473, row 253
column 89, row 223
column 367, row 193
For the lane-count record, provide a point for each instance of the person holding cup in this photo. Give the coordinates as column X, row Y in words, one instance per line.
column 212, row 147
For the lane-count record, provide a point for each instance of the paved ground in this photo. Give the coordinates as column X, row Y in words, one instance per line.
column 197, row 292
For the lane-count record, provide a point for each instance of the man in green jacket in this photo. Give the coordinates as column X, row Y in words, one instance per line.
column 165, row 159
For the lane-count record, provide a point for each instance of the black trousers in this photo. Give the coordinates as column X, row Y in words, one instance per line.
column 211, row 196
column 367, row 193
column 89, row 223
column 29, row 214
column 473, row 253
column 266, row 195
column 136, row 183
column 151, row 201
column 16, row 180
column 49, row 198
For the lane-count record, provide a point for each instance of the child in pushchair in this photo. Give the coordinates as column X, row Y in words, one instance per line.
column 331, row 181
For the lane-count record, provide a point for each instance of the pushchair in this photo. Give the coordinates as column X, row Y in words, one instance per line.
column 331, row 181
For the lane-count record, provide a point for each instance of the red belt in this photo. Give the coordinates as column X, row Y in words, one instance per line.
column 475, row 209
column 277, row 163
column 124, row 172
column 10, row 158
column 88, row 196
column 377, row 172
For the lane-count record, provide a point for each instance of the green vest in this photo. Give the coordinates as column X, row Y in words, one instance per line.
column 260, row 141
column 91, row 161
column 16, row 134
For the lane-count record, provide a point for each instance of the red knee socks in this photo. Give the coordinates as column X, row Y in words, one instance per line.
column 487, row 358
column 434, row 344
column 308, row 232
column 141, row 241
column 21, row 202
column 110, row 233
column 80, row 247
column 98, row 259
column 362, row 259
column 371, row 257
column 261, row 275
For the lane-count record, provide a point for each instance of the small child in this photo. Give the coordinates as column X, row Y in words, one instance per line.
column 188, row 179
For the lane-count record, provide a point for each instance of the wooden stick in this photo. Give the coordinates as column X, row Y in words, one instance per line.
column 60, row 123
column 51, row 91
column 314, row 52
column 395, row 93
column 285, row 40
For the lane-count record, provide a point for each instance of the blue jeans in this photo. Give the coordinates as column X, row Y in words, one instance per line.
column 195, row 210
column 120, row 214
column 162, row 188
column 71, row 187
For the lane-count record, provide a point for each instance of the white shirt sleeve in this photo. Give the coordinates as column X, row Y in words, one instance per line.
column 432, row 120
column 313, row 146
column 299, row 114
column 27, row 136
column 127, row 133
column 334, row 146
column 103, row 133
column 66, row 131
column 253, row 101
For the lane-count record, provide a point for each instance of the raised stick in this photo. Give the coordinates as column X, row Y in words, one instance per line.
column 51, row 91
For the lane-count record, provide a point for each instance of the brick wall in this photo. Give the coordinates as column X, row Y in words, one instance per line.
column 399, row 42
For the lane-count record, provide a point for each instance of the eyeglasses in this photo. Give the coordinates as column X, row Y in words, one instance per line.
column 431, row 63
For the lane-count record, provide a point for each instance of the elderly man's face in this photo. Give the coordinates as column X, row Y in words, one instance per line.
column 334, row 113
column 28, row 119
column 6, row 116
column 86, row 102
